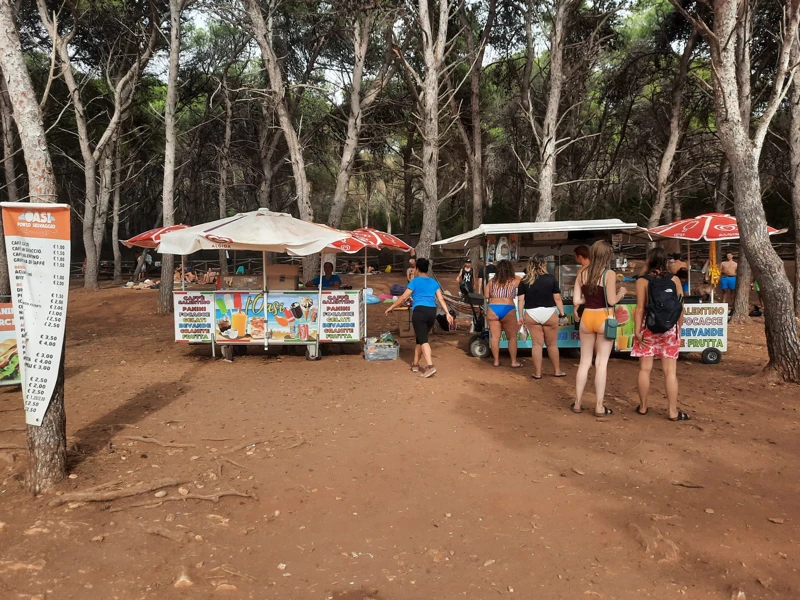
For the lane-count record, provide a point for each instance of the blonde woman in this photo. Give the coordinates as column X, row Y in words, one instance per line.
column 539, row 301
column 596, row 291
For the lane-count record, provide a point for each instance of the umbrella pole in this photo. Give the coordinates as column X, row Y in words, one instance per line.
column 689, row 264
column 319, row 306
column 264, row 296
column 364, row 293
column 183, row 272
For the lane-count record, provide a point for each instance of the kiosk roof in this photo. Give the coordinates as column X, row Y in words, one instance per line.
column 470, row 238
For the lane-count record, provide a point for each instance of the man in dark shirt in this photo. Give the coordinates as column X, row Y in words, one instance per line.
column 486, row 272
column 466, row 278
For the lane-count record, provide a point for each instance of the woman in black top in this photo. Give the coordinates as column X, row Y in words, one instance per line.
column 539, row 301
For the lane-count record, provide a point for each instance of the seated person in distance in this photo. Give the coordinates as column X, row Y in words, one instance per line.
column 330, row 281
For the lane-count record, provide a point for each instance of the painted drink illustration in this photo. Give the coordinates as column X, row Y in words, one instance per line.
column 224, row 323
column 314, row 315
column 239, row 323
column 291, row 321
column 297, row 311
column 302, row 331
column 306, row 304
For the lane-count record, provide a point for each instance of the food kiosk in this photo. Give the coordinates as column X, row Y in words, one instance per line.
column 270, row 309
column 705, row 328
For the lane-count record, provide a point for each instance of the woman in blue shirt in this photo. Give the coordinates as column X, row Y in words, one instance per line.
column 424, row 293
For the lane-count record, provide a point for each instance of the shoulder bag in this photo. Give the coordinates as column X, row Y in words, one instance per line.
column 611, row 322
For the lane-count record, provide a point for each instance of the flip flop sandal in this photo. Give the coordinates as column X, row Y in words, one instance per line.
column 519, row 366
column 577, row 412
column 496, row 366
column 639, row 410
column 536, row 376
column 415, row 368
column 682, row 416
column 606, row 412
column 560, row 374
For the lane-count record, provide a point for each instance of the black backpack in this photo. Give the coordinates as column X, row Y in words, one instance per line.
column 664, row 304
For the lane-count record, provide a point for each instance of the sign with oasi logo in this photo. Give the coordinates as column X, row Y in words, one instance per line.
column 38, row 249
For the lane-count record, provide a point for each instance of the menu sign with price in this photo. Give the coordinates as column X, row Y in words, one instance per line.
column 38, row 249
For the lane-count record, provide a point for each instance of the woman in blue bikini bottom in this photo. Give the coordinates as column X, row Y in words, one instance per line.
column 502, row 314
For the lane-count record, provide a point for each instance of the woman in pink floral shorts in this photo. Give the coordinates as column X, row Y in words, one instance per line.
column 648, row 345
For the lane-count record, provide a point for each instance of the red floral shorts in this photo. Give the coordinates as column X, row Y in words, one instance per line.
column 658, row 345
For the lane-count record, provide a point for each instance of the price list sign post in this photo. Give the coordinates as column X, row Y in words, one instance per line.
column 38, row 249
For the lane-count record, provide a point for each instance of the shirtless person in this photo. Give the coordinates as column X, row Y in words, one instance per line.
column 676, row 264
column 727, row 280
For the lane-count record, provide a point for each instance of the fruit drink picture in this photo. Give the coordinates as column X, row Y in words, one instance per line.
column 624, row 326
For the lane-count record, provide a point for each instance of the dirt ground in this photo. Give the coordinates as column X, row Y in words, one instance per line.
column 361, row 481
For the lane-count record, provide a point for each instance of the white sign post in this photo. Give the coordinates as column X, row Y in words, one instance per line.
column 38, row 249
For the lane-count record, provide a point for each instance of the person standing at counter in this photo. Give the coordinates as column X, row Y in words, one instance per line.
column 541, row 309
column 501, row 291
column 424, row 293
column 582, row 258
column 485, row 275
column 596, row 290
column 659, row 304
column 330, row 281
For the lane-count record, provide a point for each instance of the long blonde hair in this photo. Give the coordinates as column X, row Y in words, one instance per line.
column 600, row 256
column 537, row 266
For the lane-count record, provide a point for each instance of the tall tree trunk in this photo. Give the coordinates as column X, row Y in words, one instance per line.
column 433, row 48
column 408, row 182
column 115, row 217
column 675, row 121
column 165, row 305
column 722, row 191
column 548, row 138
column 361, row 33
column 47, row 445
column 263, row 36
column 475, row 150
column 12, row 193
column 794, row 150
column 743, row 149
column 741, row 300
column 268, row 141
column 7, row 116
column 224, row 167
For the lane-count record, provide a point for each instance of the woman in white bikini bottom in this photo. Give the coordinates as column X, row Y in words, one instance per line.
column 542, row 314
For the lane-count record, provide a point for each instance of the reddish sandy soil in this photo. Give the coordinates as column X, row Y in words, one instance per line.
column 369, row 482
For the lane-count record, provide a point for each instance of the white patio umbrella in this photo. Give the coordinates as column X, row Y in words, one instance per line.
column 261, row 230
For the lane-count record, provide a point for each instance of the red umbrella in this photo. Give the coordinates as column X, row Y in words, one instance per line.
column 151, row 239
column 366, row 237
column 710, row 227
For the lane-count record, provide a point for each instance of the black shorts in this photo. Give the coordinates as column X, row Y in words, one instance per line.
column 423, row 319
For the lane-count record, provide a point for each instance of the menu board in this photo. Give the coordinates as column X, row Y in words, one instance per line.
column 704, row 326
column 340, row 316
column 194, row 313
column 38, row 249
column 281, row 318
column 9, row 358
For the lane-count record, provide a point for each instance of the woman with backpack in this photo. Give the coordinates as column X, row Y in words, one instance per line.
column 657, row 319
column 596, row 290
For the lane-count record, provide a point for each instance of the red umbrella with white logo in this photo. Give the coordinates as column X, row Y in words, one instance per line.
column 711, row 227
column 367, row 237
column 151, row 239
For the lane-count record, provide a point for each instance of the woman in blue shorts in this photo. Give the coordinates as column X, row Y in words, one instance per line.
column 424, row 293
